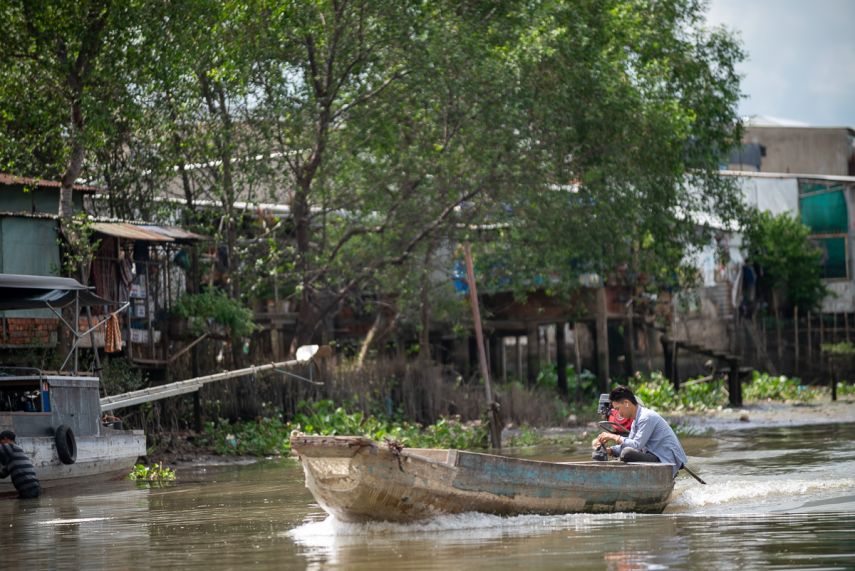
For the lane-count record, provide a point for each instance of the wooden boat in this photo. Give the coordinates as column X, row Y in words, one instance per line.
column 357, row 480
column 56, row 416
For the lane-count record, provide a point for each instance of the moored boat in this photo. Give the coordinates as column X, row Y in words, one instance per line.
column 357, row 480
column 60, row 428
column 56, row 416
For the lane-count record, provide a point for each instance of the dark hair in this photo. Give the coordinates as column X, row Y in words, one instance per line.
column 7, row 434
column 622, row 393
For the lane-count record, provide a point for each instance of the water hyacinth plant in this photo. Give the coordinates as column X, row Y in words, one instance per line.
column 155, row 474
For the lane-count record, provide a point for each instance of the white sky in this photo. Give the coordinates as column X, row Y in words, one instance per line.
column 801, row 57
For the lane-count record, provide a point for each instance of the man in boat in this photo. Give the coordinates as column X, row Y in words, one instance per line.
column 14, row 463
column 650, row 439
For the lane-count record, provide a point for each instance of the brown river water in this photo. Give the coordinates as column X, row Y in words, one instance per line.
column 777, row 498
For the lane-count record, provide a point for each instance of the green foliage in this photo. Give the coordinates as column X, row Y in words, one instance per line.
column 78, row 247
column 658, row 393
column 383, row 118
column 261, row 437
column 527, row 436
column 118, row 375
column 154, row 475
column 842, row 348
column 270, row 436
column 547, row 378
column 780, row 247
column 764, row 386
column 215, row 307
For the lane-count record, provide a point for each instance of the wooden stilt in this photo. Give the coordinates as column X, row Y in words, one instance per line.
column 809, row 338
column 561, row 358
column 796, row 337
column 734, row 383
column 578, row 354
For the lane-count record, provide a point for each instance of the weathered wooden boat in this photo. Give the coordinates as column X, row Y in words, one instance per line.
column 56, row 416
column 357, row 480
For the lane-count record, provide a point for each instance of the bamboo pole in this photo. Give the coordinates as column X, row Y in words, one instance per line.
column 495, row 429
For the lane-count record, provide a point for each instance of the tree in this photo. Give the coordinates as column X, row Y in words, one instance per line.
column 789, row 264
column 385, row 115
column 58, row 83
column 631, row 106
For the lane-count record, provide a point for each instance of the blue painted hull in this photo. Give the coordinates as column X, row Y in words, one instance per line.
column 357, row 480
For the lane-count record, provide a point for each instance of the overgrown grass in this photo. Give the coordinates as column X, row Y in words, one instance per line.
column 270, row 436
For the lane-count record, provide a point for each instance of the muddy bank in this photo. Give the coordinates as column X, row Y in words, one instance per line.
column 767, row 414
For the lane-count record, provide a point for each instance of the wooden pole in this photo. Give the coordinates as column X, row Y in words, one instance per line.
column 796, row 337
column 532, row 348
column 578, row 355
column 602, row 340
column 809, row 338
column 834, row 329
column 561, row 358
column 734, row 383
column 495, row 429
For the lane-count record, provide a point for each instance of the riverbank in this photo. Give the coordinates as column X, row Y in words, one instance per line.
column 768, row 414
column 184, row 450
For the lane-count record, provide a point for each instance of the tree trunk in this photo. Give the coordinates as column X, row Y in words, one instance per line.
column 602, row 340
column 629, row 343
column 424, row 334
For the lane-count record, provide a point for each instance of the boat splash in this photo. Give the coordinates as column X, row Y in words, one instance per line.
column 753, row 494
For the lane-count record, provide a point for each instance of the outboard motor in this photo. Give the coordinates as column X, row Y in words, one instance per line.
column 603, row 409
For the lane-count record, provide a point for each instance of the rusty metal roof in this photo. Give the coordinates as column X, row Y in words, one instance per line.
column 177, row 234
column 12, row 180
column 129, row 231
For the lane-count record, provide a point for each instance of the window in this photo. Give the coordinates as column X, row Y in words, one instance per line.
column 823, row 210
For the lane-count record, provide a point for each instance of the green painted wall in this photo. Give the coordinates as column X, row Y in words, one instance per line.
column 28, row 246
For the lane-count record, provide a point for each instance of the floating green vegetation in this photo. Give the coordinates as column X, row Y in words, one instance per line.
column 702, row 394
column 156, row 474
column 658, row 393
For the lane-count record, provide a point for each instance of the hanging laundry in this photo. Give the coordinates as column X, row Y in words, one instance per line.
column 113, row 336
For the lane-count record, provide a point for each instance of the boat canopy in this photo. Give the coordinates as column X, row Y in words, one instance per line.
column 45, row 292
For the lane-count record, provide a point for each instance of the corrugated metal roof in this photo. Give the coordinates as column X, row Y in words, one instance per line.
column 129, row 231
column 177, row 234
column 10, row 180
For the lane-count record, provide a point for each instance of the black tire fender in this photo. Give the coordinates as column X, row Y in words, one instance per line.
column 66, row 445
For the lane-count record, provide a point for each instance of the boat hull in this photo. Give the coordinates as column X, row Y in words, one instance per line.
column 111, row 454
column 357, row 480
